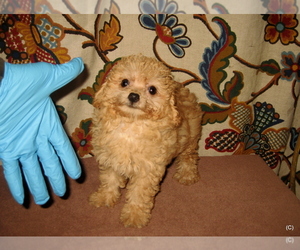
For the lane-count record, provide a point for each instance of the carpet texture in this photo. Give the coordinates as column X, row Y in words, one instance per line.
column 236, row 196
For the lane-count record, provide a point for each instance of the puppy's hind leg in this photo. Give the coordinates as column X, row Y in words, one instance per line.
column 187, row 165
column 187, row 161
column 109, row 190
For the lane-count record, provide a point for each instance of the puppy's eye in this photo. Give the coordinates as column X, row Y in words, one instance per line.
column 152, row 90
column 124, row 83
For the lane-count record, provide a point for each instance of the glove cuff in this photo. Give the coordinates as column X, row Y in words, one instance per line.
column 1, row 69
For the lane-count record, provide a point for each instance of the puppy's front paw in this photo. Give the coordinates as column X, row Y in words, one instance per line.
column 134, row 216
column 187, row 178
column 103, row 198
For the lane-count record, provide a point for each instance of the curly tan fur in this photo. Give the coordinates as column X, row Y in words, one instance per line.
column 134, row 141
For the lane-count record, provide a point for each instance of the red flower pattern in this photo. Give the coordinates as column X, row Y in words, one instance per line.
column 281, row 27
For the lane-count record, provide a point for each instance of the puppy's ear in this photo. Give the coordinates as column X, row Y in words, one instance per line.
column 175, row 116
column 97, row 98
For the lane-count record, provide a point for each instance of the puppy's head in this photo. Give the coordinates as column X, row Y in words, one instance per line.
column 139, row 87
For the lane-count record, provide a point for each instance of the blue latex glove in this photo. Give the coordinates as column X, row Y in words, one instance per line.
column 31, row 131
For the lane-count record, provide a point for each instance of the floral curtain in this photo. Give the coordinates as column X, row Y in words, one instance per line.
column 150, row 6
column 244, row 69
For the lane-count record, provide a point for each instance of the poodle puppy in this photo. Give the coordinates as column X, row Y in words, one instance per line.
column 142, row 120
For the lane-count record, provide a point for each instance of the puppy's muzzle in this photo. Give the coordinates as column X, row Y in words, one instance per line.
column 133, row 97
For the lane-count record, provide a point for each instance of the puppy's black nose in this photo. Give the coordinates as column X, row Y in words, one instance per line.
column 133, row 97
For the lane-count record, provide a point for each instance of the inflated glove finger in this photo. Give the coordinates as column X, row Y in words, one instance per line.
column 13, row 176
column 58, row 138
column 52, row 167
column 34, row 178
